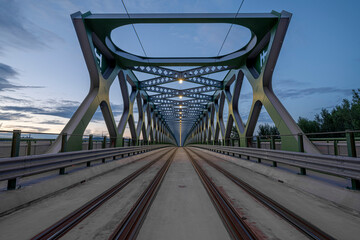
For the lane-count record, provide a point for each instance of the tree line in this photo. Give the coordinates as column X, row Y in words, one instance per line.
column 345, row 116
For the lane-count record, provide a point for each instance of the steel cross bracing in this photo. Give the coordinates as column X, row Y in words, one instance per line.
column 199, row 110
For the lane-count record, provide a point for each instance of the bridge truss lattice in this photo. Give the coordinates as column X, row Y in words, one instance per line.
column 198, row 110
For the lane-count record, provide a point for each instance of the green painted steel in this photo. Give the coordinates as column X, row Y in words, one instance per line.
column 202, row 115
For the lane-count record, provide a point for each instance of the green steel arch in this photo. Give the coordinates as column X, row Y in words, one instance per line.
column 200, row 115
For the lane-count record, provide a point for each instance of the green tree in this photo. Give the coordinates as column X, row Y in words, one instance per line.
column 342, row 117
column 308, row 126
column 234, row 133
column 267, row 130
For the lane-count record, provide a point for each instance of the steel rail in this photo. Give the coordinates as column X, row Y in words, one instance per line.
column 31, row 165
column 64, row 225
column 301, row 224
column 131, row 224
column 234, row 223
column 342, row 166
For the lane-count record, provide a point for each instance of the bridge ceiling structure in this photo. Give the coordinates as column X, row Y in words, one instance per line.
column 199, row 110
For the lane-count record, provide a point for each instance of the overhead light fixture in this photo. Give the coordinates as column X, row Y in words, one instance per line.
column 180, row 96
column 181, row 80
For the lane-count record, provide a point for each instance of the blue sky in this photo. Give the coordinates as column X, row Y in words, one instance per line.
column 43, row 77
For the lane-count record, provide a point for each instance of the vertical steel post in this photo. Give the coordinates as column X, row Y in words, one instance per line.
column 350, row 140
column 91, row 143
column 28, row 152
column 336, row 150
column 90, row 147
column 104, row 142
column 15, row 149
column 63, row 149
column 248, row 144
column 273, row 147
column 258, row 145
column 301, row 149
column 15, row 144
column 103, row 146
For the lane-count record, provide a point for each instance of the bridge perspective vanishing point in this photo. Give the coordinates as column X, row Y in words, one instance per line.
column 187, row 180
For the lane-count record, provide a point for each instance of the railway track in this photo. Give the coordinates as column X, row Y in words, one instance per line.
column 131, row 224
column 311, row 231
column 64, row 225
column 234, row 223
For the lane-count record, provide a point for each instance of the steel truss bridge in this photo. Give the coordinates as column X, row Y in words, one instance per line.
column 181, row 116
column 158, row 191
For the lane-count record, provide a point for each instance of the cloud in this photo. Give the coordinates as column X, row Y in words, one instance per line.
column 18, row 31
column 6, row 73
column 300, row 93
column 11, row 116
column 60, row 111
column 59, row 108
column 288, row 82
column 24, row 128
column 52, row 122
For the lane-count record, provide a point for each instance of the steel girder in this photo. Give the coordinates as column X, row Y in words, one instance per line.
column 264, row 54
column 103, row 71
column 201, row 113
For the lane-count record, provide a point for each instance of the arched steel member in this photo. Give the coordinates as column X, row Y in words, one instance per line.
column 106, row 61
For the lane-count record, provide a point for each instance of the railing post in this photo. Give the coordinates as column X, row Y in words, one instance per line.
column 301, row 149
column 103, row 146
column 336, row 150
column 273, row 147
column 350, row 140
column 258, row 145
column 248, row 145
column 15, row 150
column 15, row 144
column 104, row 142
column 63, row 149
column 28, row 152
column 90, row 147
column 91, row 144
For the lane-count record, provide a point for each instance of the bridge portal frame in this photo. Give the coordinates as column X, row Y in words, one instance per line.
column 256, row 60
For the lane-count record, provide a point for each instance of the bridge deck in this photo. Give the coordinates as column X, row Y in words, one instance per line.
column 182, row 207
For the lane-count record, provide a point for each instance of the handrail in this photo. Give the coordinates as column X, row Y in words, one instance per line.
column 348, row 167
column 15, row 167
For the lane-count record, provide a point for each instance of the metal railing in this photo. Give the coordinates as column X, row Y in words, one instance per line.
column 348, row 167
column 344, row 143
column 18, row 143
column 17, row 167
